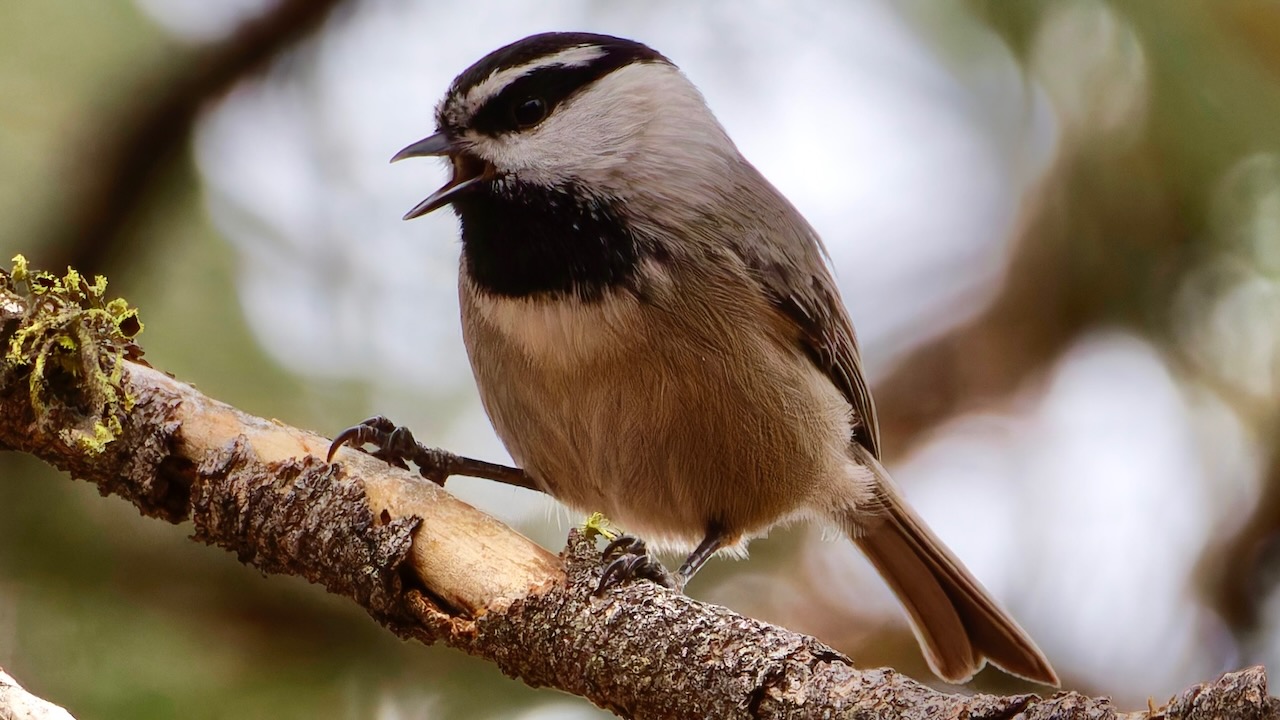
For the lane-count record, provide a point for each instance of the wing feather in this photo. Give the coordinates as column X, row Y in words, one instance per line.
column 793, row 270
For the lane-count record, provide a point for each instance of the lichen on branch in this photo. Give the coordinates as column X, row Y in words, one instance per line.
column 429, row 566
column 72, row 347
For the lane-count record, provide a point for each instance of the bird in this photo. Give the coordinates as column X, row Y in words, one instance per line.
column 656, row 335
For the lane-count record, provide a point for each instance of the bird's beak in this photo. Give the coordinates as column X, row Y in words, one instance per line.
column 468, row 171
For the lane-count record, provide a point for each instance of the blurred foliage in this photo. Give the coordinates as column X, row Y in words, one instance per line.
column 110, row 614
column 1169, row 220
column 1161, row 214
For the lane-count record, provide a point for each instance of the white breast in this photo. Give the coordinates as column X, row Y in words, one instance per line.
column 563, row 331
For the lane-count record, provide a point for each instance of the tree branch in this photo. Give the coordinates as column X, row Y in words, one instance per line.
column 74, row 392
column 16, row 703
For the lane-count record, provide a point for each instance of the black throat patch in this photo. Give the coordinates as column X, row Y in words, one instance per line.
column 524, row 240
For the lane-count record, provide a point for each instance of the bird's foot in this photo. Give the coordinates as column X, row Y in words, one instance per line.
column 629, row 559
column 397, row 446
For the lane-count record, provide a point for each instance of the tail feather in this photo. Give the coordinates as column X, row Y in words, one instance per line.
column 959, row 625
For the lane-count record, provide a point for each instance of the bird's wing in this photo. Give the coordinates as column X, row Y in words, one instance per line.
column 791, row 266
column 807, row 296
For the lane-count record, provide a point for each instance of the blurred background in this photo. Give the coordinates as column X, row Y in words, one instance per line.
column 1056, row 225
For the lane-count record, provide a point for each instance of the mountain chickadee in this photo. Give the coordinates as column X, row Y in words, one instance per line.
column 656, row 336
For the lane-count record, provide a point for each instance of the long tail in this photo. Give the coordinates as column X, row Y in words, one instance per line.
column 958, row 624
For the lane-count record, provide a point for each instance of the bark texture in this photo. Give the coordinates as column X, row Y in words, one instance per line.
column 74, row 392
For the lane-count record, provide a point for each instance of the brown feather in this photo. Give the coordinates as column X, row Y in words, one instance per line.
column 957, row 622
column 791, row 267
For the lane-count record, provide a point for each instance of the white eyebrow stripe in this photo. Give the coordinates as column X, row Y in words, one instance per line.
column 569, row 57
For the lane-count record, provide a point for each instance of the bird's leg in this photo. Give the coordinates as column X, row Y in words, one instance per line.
column 397, row 446
column 714, row 540
column 630, row 559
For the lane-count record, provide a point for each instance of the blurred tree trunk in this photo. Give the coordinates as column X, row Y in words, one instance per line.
column 140, row 144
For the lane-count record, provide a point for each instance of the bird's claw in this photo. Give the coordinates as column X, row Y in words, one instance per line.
column 396, row 446
column 629, row 559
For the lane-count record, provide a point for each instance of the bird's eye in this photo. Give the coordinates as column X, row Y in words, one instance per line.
column 529, row 112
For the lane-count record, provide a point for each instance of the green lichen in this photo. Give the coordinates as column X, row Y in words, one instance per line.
column 597, row 524
column 20, row 270
column 72, row 344
column 103, row 433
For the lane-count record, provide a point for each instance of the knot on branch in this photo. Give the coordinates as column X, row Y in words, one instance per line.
column 302, row 517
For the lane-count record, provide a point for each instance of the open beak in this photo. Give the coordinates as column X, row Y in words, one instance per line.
column 468, row 172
